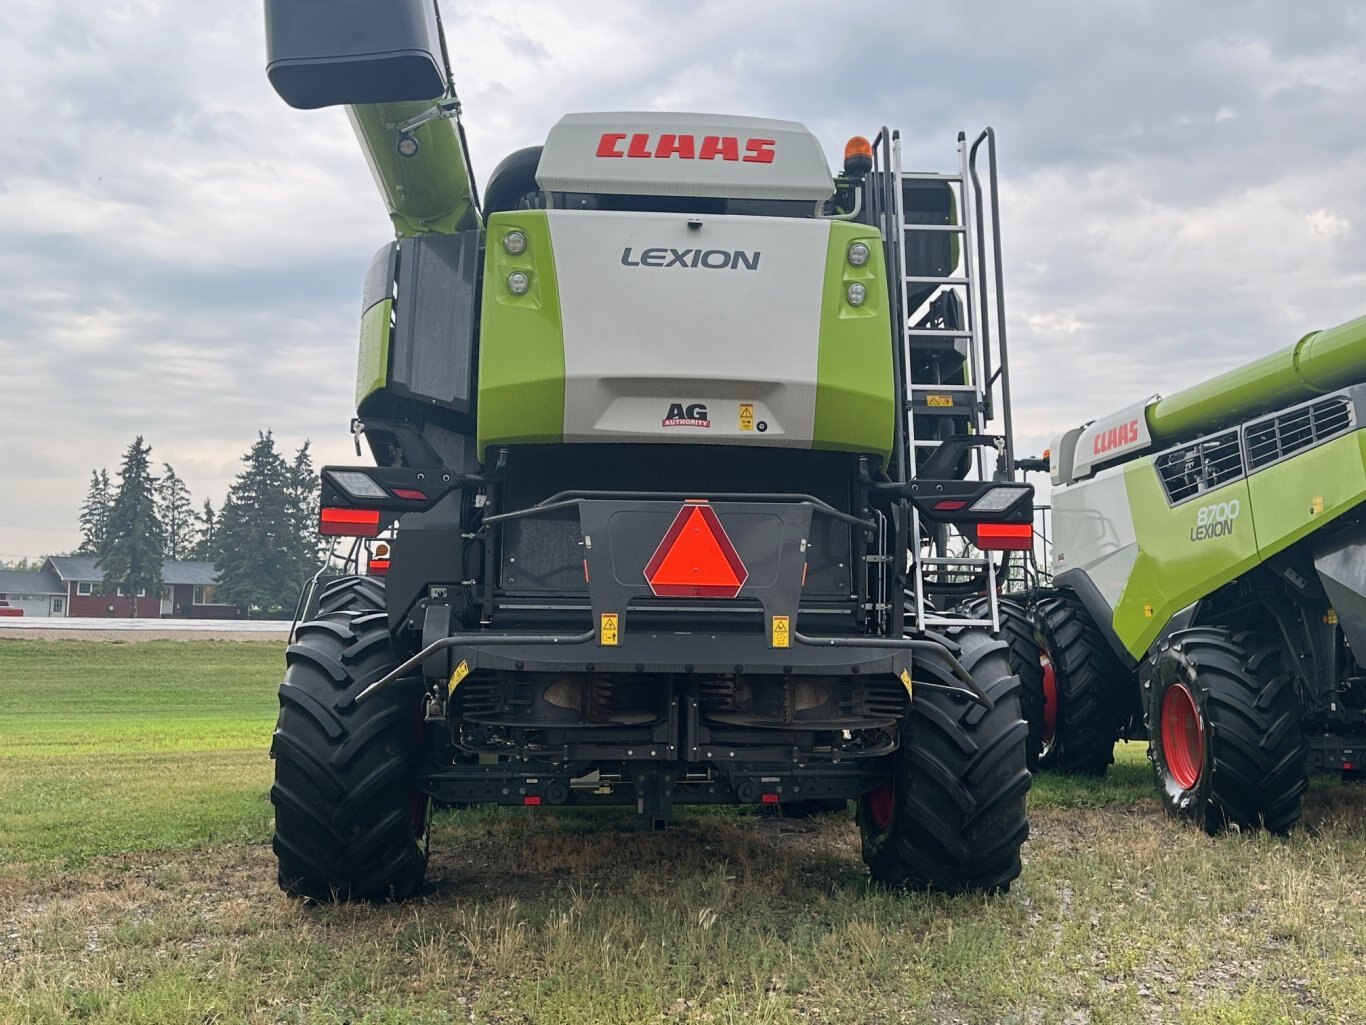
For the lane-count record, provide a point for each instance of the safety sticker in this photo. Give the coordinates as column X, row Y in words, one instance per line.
column 906, row 681
column 747, row 416
column 782, row 638
column 1316, row 506
column 940, row 401
column 609, row 632
column 461, row 671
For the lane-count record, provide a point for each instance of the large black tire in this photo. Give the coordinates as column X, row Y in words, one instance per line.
column 1017, row 630
column 354, row 594
column 350, row 822
column 953, row 816
column 1093, row 691
column 1224, row 730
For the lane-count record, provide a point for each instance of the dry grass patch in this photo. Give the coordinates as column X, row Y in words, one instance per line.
column 1121, row 916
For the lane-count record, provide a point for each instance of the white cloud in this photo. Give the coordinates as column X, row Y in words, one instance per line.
column 182, row 252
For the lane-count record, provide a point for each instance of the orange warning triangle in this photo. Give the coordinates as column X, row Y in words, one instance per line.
column 696, row 559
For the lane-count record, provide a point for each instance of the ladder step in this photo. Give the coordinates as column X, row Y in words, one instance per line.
column 930, row 279
column 936, row 332
column 939, row 389
column 958, row 228
column 929, row 176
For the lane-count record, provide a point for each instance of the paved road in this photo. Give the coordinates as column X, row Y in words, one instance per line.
column 142, row 629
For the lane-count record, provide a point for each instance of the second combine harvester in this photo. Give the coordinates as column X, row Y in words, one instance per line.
column 1210, row 561
column 682, row 437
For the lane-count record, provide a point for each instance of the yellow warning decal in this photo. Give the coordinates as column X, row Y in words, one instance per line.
column 747, row 416
column 940, row 401
column 461, row 671
column 1147, row 610
column 1316, row 506
column 906, row 681
column 782, row 638
column 610, row 630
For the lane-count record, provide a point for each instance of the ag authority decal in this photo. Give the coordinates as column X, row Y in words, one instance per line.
column 1216, row 520
column 693, row 415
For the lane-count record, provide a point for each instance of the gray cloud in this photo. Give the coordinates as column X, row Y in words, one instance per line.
column 1183, row 188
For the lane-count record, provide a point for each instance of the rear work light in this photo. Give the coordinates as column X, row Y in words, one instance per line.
column 1000, row 498
column 1005, row 537
column 349, row 522
column 358, row 484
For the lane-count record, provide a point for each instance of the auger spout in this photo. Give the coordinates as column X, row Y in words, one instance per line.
column 1319, row 362
column 385, row 64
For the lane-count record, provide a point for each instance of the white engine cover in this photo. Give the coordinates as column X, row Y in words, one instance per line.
column 714, row 318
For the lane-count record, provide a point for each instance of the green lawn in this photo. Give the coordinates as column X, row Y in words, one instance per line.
column 107, row 748
column 139, row 888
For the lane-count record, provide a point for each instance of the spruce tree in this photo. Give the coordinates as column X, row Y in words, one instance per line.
column 176, row 513
column 304, row 494
column 256, row 540
column 95, row 513
column 206, row 530
column 133, row 547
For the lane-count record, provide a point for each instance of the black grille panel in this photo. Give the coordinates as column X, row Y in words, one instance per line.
column 1200, row 466
column 1293, row 431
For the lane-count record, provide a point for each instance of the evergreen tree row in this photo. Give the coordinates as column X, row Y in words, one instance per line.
column 263, row 542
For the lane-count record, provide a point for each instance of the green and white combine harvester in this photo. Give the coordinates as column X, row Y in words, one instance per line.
column 1209, row 559
column 689, row 450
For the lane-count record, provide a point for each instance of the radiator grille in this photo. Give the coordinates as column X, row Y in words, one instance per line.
column 1200, row 466
column 1293, row 431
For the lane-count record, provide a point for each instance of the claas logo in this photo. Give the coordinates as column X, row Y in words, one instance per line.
column 693, row 415
column 686, row 147
column 1116, row 437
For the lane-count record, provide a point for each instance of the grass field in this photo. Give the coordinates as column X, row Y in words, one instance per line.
column 136, row 885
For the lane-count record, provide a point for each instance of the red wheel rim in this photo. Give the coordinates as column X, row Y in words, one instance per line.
column 1183, row 736
column 1050, row 699
column 880, row 806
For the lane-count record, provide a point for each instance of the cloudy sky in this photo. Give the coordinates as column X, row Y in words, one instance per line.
column 1184, row 187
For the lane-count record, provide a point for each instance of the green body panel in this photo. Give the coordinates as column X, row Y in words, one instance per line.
column 1317, row 363
column 372, row 368
column 1294, row 498
column 1277, row 506
column 521, row 349
column 429, row 191
column 1172, row 570
column 855, row 397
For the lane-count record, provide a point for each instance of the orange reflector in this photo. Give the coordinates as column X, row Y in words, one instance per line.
column 1005, row 537
column 696, row 559
column 349, row 522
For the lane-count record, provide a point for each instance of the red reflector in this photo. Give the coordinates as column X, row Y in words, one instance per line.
column 696, row 559
column 349, row 522
column 531, row 802
column 949, row 505
column 1349, row 766
column 770, row 798
column 379, row 567
column 410, row 494
column 1005, row 537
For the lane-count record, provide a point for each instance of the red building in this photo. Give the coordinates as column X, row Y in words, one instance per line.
column 187, row 592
